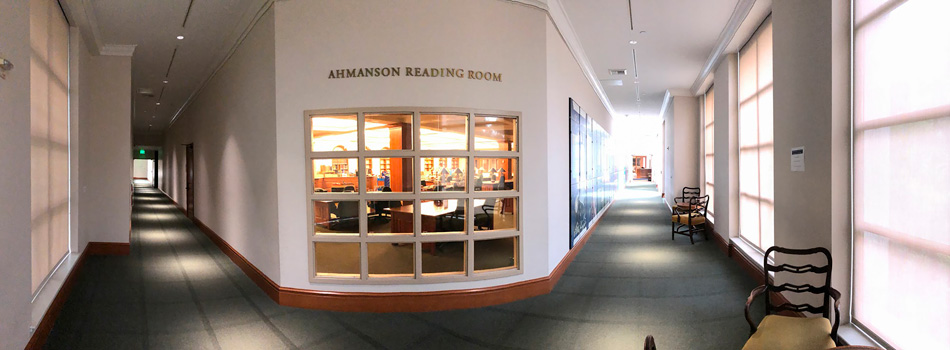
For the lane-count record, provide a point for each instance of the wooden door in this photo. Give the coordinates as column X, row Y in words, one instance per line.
column 190, row 179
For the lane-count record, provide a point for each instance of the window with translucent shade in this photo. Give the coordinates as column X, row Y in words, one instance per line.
column 709, row 153
column 901, row 262
column 756, row 173
column 49, row 138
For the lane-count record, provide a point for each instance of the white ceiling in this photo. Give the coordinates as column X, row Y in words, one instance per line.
column 211, row 30
column 680, row 35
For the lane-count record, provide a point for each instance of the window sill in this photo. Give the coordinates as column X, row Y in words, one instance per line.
column 44, row 298
column 852, row 335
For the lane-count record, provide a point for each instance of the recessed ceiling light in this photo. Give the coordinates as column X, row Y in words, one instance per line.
column 150, row 125
column 153, row 116
column 164, row 81
column 633, row 42
column 158, row 103
column 181, row 37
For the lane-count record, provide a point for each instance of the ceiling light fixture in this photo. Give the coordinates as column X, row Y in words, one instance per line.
column 158, row 103
column 633, row 42
column 164, row 81
column 180, row 37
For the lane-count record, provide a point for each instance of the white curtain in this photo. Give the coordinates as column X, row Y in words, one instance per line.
column 756, row 173
column 902, row 171
column 49, row 138
column 709, row 138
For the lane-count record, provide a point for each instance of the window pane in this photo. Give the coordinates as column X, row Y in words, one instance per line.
column 336, row 217
column 444, row 131
column 389, row 174
column 388, row 131
column 496, row 214
column 390, row 259
column 492, row 254
column 493, row 133
column 443, row 174
column 337, row 259
column 389, row 217
column 443, row 215
column 495, row 174
column 333, row 133
column 443, row 258
column 335, row 175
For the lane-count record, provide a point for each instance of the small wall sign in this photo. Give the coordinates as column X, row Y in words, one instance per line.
column 798, row 159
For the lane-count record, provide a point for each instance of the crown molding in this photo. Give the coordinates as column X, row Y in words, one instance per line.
column 563, row 25
column 667, row 99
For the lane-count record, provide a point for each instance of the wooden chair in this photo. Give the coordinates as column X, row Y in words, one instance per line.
column 690, row 219
column 776, row 332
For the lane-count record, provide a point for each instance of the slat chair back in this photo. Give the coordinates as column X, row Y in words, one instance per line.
column 825, row 290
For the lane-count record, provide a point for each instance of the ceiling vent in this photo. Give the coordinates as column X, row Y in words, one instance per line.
column 617, row 71
column 611, row 82
column 146, row 92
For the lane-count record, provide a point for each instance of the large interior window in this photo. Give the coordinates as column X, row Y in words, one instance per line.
column 756, row 173
column 414, row 196
column 709, row 138
column 901, row 172
column 49, row 138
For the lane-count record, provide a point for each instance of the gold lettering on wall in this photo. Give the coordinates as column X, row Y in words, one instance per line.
column 422, row 72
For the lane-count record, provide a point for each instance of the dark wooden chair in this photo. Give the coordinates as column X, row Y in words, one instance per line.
column 649, row 344
column 687, row 192
column 690, row 217
column 777, row 332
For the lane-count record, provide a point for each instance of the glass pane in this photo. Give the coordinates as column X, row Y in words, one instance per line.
column 389, row 217
column 388, row 131
column 336, row 217
column 337, row 259
column 389, row 174
column 443, row 215
column 390, row 259
column 492, row 254
column 443, row 258
column 333, row 133
column 335, row 175
column 496, row 214
column 494, row 133
column 495, row 174
column 443, row 174
column 444, row 131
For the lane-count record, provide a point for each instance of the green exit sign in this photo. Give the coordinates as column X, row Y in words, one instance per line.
column 141, row 151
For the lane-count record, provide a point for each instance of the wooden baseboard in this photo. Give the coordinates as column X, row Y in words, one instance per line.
column 41, row 333
column 108, row 248
column 400, row 301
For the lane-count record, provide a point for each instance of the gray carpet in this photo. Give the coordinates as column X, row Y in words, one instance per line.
column 178, row 291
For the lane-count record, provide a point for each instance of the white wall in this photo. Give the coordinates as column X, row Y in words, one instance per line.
column 314, row 37
column 231, row 124
column 140, row 168
column 105, row 146
column 565, row 79
column 727, row 148
column 683, row 162
column 15, row 177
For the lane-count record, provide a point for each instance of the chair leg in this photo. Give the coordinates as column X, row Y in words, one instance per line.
column 691, row 236
column 673, row 229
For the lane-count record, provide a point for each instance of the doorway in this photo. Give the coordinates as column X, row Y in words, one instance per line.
column 143, row 172
column 190, row 180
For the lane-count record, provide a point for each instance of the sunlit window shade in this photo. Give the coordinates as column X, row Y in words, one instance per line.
column 756, row 173
column 709, row 149
column 49, row 137
column 902, row 171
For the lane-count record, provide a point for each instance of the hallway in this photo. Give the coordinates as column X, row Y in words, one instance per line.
column 177, row 290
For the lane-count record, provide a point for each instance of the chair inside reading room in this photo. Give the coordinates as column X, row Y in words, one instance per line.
column 689, row 217
column 777, row 332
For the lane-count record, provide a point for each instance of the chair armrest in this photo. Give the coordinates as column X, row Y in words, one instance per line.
column 755, row 292
column 836, row 295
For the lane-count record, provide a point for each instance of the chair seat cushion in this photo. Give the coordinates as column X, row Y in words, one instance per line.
column 800, row 333
column 684, row 219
